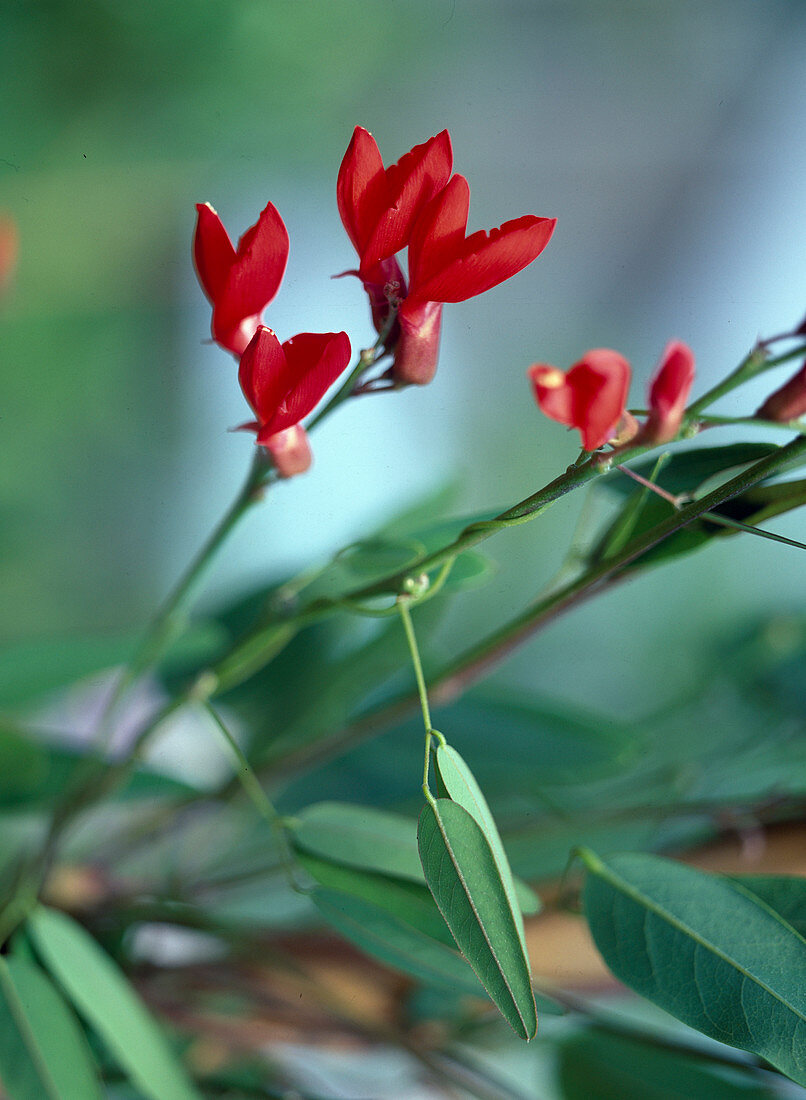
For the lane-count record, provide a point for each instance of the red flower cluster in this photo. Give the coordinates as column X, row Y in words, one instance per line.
column 282, row 383
column 415, row 203
column 592, row 396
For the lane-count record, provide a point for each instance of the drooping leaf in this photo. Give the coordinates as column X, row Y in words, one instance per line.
column 461, row 787
column 462, row 874
column 44, row 1055
column 395, row 942
column 704, row 948
column 786, row 894
column 613, row 1067
column 106, row 1000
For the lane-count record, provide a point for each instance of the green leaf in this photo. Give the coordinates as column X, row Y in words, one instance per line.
column 43, row 1052
column 360, row 836
column 685, row 471
column 411, row 902
column 103, row 996
column 463, row 876
column 386, row 937
column 461, row 787
column 613, row 1067
column 31, row 669
column 705, row 949
column 23, row 767
column 785, row 894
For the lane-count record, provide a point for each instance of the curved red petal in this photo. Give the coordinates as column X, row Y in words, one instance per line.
column 409, row 185
column 256, row 272
column 439, row 232
column 263, row 374
column 315, row 360
column 358, row 188
column 668, row 392
column 213, row 253
column 487, row 259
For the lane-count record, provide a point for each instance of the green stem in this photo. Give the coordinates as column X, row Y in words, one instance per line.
column 168, row 620
column 430, row 732
column 258, row 797
column 752, row 365
column 474, row 662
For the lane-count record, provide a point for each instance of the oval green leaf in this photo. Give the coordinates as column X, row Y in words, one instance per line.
column 463, row 876
column 461, row 787
column 396, row 943
column 704, row 948
column 360, row 836
column 785, row 894
column 43, row 1052
column 106, row 1000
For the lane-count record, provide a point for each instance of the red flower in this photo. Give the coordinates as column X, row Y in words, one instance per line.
column 282, row 383
column 787, row 403
column 591, row 396
column 447, row 266
column 378, row 205
column 239, row 283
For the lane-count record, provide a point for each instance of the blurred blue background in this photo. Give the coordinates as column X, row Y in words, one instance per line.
column 666, row 138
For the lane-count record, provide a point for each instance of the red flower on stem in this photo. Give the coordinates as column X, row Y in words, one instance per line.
column 445, row 265
column 240, row 282
column 591, row 396
column 378, row 207
column 283, row 383
column 668, row 393
column 788, row 402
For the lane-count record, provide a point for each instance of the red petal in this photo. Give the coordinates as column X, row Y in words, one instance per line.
column 788, row 402
column 213, row 254
column 439, row 232
column 263, row 374
column 359, row 187
column 256, row 273
column 668, row 392
column 315, row 360
column 590, row 397
column 409, row 186
column 487, row 259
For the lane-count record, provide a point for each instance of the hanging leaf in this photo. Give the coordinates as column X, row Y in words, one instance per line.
column 704, row 948
column 386, row 937
column 463, row 876
column 613, row 1067
column 103, row 996
column 44, row 1055
column 461, row 787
